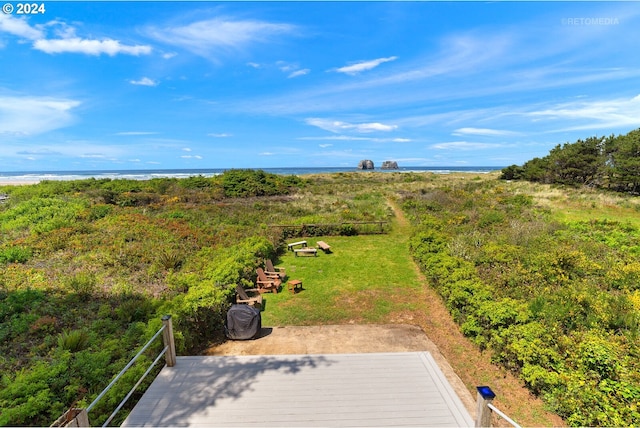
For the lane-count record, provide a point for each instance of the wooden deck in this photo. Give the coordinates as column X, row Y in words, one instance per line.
column 377, row 389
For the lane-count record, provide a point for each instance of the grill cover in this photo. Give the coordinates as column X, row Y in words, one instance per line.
column 243, row 322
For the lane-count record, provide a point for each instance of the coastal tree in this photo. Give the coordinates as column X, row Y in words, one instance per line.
column 623, row 156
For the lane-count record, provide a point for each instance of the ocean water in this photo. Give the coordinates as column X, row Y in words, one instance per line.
column 147, row 174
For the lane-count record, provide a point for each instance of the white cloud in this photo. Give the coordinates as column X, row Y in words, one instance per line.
column 39, row 152
column 61, row 29
column 128, row 133
column 298, row 73
column 34, row 115
column 145, row 81
column 212, row 37
column 338, row 138
column 93, row 156
column 81, row 149
column 18, row 27
column 464, row 145
column 347, row 155
column 339, row 126
column 355, row 138
column 89, row 47
column 324, row 146
column 223, row 135
column 169, row 55
column 599, row 114
column 285, row 67
column 66, row 41
column 291, row 69
column 483, row 132
column 191, row 157
column 375, row 126
column 364, row 65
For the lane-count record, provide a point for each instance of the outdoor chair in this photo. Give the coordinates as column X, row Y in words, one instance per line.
column 273, row 271
column 266, row 284
column 242, row 296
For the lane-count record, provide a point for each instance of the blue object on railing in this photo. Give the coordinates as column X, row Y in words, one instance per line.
column 486, row 392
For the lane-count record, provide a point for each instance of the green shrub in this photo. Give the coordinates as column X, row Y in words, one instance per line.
column 348, row 230
column 82, row 283
column 41, row 214
column 35, row 396
column 134, row 309
column 15, row 255
column 170, row 259
column 553, row 302
column 490, row 218
column 196, row 182
column 244, row 183
column 207, row 281
column 73, row 341
column 99, row 211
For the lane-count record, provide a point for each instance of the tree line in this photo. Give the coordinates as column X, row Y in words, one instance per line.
column 604, row 162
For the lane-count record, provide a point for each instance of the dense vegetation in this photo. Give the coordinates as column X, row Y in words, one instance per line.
column 605, row 162
column 87, row 268
column 558, row 303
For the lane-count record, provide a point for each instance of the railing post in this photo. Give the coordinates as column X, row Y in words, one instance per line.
column 167, row 338
column 74, row 417
column 483, row 412
column 82, row 419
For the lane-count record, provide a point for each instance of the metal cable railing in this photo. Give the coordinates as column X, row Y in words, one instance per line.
column 124, row 370
column 79, row 417
column 115, row 412
column 503, row 416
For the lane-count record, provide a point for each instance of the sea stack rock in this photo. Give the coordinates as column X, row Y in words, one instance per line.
column 389, row 165
column 366, row 164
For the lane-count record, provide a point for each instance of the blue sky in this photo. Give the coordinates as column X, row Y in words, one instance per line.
column 150, row 85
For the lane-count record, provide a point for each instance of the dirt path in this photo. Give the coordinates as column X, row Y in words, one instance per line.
column 473, row 366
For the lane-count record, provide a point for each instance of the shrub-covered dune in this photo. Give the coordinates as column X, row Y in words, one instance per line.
column 544, row 280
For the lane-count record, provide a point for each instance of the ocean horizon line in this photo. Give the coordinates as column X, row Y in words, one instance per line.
column 148, row 174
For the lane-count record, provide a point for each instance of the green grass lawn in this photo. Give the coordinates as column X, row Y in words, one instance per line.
column 363, row 280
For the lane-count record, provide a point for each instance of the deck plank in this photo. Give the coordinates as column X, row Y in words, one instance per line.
column 380, row 389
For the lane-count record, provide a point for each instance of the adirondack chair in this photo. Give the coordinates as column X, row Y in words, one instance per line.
column 242, row 296
column 266, row 284
column 273, row 271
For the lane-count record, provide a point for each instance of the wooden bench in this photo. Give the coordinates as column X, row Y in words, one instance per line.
column 303, row 244
column 324, row 246
column 306, row 250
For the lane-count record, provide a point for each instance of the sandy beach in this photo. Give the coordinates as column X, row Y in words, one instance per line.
column 18, row 182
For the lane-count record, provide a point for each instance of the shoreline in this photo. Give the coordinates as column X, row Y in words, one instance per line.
column 30, row 178
column 18, row 182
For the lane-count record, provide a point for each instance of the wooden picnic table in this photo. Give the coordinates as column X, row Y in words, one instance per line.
column 306, row 250
column 293, row 244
